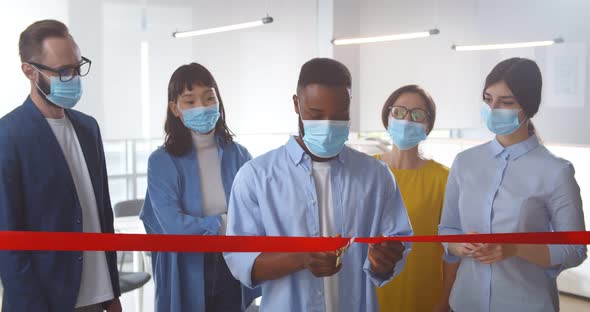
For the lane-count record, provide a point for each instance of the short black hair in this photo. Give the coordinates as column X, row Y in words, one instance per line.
column 323, row 71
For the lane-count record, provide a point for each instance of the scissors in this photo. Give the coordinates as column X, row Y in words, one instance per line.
column 340, row 252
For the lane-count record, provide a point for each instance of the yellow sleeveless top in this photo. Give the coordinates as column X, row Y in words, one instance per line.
column 419, row 286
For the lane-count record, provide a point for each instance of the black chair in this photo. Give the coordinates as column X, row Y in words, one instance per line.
column 129, row 281
column 127, row 208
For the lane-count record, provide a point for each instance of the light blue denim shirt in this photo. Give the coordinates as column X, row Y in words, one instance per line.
column 521, row 188
column 173, row 205
column 275, row 195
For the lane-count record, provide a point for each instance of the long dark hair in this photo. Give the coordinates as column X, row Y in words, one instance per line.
column 523, row 78
column 178, row 139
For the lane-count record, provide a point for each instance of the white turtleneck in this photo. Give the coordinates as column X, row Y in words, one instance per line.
column 212, row 191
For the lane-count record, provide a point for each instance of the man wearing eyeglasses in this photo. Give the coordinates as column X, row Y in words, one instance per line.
column 53, row 178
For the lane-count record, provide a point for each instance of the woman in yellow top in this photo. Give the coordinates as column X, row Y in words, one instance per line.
column 425, row 283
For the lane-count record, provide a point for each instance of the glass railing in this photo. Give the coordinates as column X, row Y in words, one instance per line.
column 127, row 167
column 127, row 159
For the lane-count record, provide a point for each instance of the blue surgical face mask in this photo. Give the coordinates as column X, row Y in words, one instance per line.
column 405, row 134
column 201, row 119
column 325, row 138
column 63, row 94
column 501, row 121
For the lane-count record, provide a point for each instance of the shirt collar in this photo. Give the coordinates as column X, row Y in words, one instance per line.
column 297, row 153
column 516, row 150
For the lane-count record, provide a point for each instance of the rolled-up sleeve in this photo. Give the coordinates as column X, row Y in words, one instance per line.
column 243, row 219
column 565, row 208
column 394, row 222
column 450, row 221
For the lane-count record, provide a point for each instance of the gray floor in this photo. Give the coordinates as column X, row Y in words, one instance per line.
column 568, row 303
column 128, row 299
column 573, row 304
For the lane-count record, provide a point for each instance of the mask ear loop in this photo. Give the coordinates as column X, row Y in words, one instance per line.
column 37, row 85
column 526, row 118
column 180, row 114
column 301, row 131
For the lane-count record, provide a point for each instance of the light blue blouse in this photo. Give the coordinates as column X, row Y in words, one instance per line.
column 520, row 188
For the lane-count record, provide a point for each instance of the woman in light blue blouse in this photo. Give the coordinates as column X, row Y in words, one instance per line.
column 510, row 184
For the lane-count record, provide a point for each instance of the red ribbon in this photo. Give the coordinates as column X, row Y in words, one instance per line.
column 70, row 241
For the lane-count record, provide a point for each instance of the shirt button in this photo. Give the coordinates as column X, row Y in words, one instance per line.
column 78, row 221
column 80, row 258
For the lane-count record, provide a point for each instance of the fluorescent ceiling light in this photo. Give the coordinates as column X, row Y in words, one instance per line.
column 386, row 38
column 514, row 45
column 192, row 33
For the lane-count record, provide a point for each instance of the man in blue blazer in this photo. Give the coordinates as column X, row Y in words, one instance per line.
column 53, row 178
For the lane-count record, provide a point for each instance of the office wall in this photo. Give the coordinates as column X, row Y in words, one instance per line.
column 14, row 19
column 427, row 61
column 565, row 108
column 139, row 56
column 455, row 79
column 127, row 98
column 257, row 68
column 347, row 24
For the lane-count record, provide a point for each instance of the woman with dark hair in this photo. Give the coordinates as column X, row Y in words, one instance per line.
column 425, row 283
column 510, row 184
column 189, row 181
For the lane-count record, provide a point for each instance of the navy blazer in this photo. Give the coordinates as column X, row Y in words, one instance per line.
column 37, row 193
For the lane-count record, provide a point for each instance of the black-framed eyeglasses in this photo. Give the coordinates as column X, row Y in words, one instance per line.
column 69, row 72
column 416, row 114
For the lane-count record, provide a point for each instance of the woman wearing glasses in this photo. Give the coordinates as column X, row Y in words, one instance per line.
column 189, row 181
column 425, row 283
column 511, row 184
